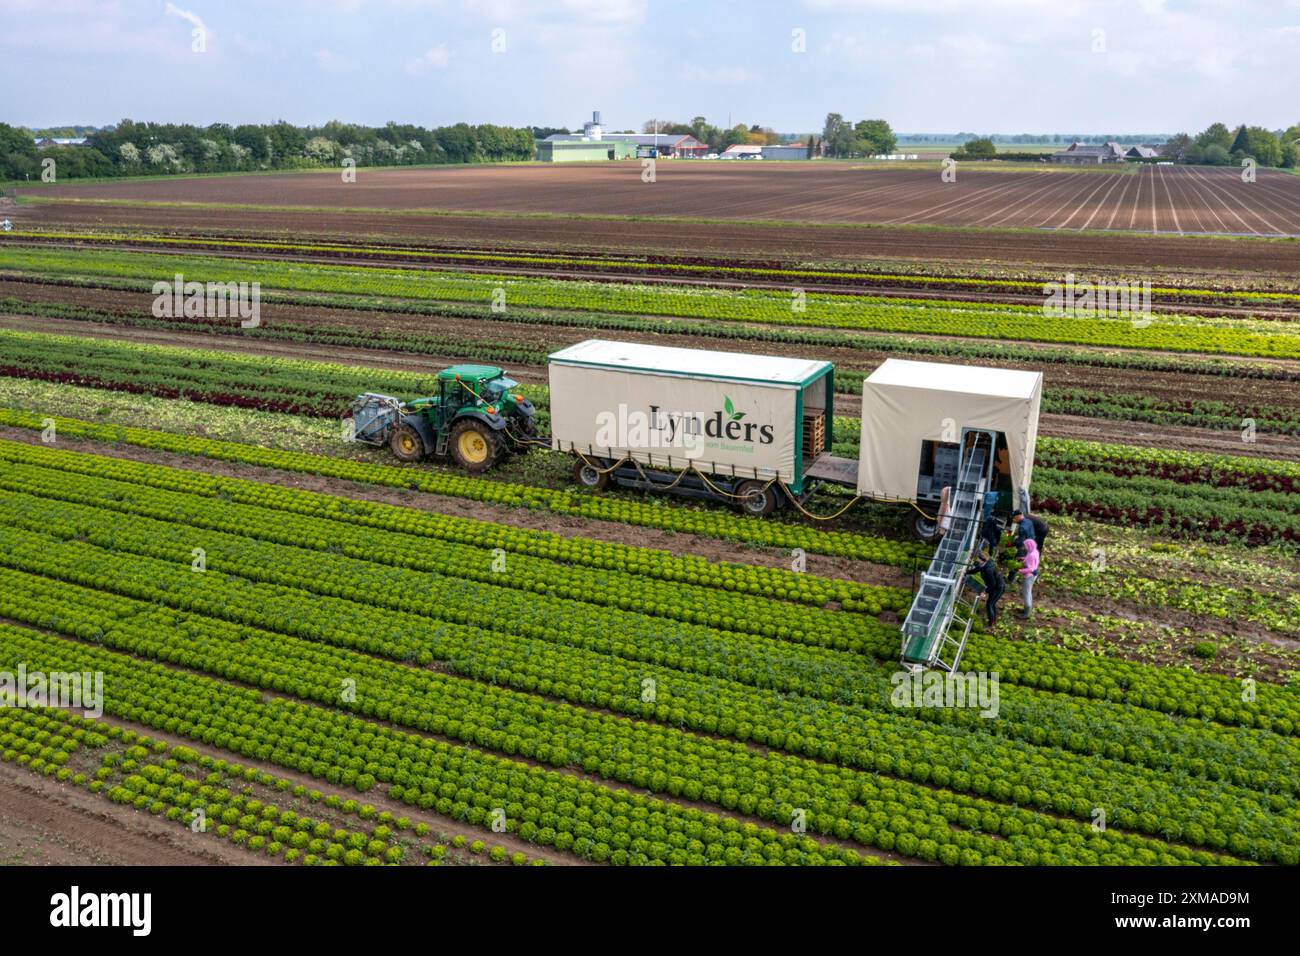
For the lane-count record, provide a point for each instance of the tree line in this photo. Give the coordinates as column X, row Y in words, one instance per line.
column 1217, row 145
column 717, row 138
column 842, row 140
column 131, row 148
column 1023, row 139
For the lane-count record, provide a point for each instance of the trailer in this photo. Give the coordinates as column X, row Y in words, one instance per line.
column 955, row 443
column 737, row 427
column 914, row 415
column 756, row 430
column 960, row 440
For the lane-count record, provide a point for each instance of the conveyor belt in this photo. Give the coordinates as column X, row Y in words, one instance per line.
column 927, row 630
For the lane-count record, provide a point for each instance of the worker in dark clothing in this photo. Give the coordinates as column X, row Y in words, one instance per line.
column 1028, row 527
column 991, row 534
column 1040, row 532
column 991, row 583
column 1021, row 528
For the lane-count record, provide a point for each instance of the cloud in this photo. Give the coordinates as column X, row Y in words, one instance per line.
column 331, row 62
column 607, row 11
column 174, row 10
column 970, row 51
column 939, row 7
column 589, row 12
column 435, row 58
column 721, row 75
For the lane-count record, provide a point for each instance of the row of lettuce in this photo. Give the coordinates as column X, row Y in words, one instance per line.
column 1186, row 494
column 1133, row 329
column 639, row 265
column 318, row 388
column 211, row 798
column 523, row 677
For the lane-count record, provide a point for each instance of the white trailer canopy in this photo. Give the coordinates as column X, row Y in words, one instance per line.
column 906, row 403
column 695, row 363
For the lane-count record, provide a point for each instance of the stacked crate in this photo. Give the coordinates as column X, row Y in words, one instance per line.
column 814, row 434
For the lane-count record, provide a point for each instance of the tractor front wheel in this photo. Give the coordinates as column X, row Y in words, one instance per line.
column 474, row 445
column 406, row 443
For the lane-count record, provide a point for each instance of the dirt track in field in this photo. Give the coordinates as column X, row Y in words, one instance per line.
column 46, row 823
column 1150, row 199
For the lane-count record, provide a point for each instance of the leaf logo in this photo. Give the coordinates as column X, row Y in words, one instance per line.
column 734, row 415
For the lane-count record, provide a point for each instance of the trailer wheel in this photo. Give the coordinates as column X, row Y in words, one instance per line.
column 406, row 443
column 474, row 445
column 757, row 498
column 927, row 529
column 590, row 476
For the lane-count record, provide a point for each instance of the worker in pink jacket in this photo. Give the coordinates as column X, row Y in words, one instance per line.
column 1028, row 574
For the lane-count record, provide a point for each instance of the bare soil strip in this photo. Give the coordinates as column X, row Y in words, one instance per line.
column 47, row 823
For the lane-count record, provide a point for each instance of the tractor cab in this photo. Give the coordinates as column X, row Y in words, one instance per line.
column 477, row 415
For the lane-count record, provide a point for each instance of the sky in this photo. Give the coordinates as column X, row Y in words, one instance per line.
column 989, row 66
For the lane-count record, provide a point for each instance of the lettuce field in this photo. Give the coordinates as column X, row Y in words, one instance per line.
column 298, row 650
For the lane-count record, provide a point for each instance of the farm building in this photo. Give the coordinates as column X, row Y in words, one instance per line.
column 1082, row 154
column 680, row 146
column 581, row 149
column 783, row 151
column 1142, row 152
column 786, row 151
column 559, row 147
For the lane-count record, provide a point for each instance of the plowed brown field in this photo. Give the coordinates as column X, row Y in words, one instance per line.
column 1084, row 252
column 1149, row 199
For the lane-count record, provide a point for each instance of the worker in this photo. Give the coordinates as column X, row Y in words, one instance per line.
column 1028, row 574
column 1021, row 528
column 1040, row 532
column 1029, row 527
column 991, row 533
column 993, row 585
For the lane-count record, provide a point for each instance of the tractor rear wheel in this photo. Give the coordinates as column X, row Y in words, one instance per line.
column 474, row 445
column 406, row 443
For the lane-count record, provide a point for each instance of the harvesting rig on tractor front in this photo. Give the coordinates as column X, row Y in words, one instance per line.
column 476, row 417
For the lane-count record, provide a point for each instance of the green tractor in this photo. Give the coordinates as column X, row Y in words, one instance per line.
column 478, row 416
